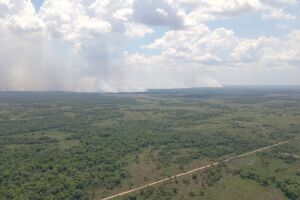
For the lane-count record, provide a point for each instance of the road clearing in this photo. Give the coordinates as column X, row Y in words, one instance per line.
column 198, row 169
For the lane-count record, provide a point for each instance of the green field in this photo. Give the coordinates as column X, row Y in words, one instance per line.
column 56, row 145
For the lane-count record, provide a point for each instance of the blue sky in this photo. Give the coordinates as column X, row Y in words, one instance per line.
column 136, row 44
column 252, row 25
column 247, row 25
column 132, row 45
column 37, row 3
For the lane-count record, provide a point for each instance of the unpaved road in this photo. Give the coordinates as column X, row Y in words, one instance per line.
column 197, row 169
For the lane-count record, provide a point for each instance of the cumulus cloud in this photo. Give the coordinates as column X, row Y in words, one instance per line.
column 272, row 13
column 221, row 48
column 82, row 45
column 197, row 44
column 199, row 11
column 137, row 30
column 157, row 12
column 56, row 48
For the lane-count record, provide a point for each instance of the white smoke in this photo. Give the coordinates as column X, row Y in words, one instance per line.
column 75, row 46
column 80, row 45
column 211, row 82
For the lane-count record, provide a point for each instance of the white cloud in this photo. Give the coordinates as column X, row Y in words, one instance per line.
column 215, row 51
column 252, row 50
column 200, row 11
column 80, row 45
column 272, row 13
column 137, row 30
column 123, row 14
column 157, row 12
column 197, row 44
column 162, row 12
column 280, row 3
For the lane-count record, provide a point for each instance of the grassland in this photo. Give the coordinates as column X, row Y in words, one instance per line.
column 89, row 146
column 269, row 175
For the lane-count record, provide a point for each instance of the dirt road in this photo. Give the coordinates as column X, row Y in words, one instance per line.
column 198, row 169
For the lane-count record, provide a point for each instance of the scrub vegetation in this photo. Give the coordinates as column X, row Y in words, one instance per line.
column 56, row 145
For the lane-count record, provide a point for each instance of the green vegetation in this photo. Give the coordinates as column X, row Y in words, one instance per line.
column 89, row 146
column 273, row 174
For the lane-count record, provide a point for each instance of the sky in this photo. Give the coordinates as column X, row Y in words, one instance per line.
column 135, row 45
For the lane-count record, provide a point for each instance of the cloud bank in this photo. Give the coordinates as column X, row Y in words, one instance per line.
column 88, row 45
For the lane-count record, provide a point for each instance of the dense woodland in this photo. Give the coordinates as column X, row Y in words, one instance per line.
column 57, row 145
